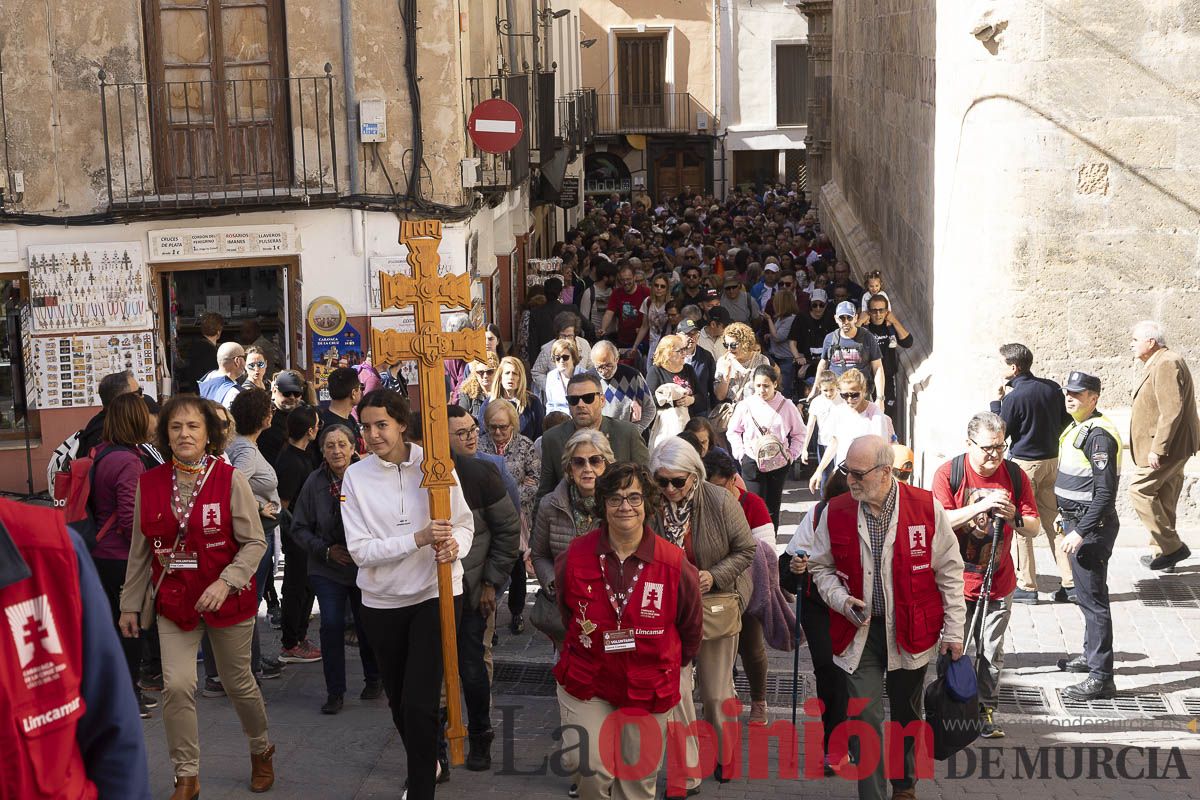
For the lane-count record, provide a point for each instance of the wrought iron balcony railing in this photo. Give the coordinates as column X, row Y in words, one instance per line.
column 652, row 112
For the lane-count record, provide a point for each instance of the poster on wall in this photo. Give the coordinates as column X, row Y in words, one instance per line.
column 335, row 342
column 68, row 369
column 88, row 287
column 454, row 260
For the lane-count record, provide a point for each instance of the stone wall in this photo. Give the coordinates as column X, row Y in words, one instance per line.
column 1041, row 188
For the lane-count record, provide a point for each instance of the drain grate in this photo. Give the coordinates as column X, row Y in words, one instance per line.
column 1123, row 706
column 779, row 687
column 1023, row 699
column 1170, row 591
column 530, row 680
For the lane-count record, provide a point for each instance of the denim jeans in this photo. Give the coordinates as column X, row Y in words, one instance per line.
column 477, row 689
column 334, row 598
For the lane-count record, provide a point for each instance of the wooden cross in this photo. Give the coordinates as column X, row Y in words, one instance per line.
column 427, row 291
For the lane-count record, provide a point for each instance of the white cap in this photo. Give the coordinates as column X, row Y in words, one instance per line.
column 772, row 267
column 818, row 295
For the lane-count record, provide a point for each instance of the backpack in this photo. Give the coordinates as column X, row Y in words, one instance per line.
column 770, row 452
column 76, row 499
column 958, row 474
column 952, row 706
column 58, row 471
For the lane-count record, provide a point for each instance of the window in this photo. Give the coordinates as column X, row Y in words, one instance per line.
column 642, row 81
column 218, row 98
column 791, row 84
column 13, row 408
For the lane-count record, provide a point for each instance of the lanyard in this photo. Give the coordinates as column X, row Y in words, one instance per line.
column 184, row 513
column 619, row 600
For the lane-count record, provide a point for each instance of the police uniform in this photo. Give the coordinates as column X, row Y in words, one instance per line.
column 1089, row 463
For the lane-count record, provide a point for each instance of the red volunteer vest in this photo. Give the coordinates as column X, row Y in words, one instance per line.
column 918, row 603
column 646, row 677
column 209, row 535
column 41, row 663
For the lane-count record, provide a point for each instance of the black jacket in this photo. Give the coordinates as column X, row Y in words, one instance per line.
column 317, row 525
column 497, row 528
column 1034, row 416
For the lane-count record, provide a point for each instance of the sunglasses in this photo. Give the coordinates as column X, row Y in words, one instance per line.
column 845, row 317
column 729, row 345
column 850, row 395
column 595, row 462
column 563, row 357
column 663, row 483
column 818, row 304
column 786, row 284
column 586, row 399
column 487, row 373
column 291, row 394
column 857, row 474
column 257, row 365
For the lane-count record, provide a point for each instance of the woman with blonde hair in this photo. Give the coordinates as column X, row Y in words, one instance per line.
column 857, row 416
column 474, row 391
column 565, row 356
column 512, row 385
column 734, row 368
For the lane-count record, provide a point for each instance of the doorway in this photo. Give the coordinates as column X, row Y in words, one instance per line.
column 256, row 302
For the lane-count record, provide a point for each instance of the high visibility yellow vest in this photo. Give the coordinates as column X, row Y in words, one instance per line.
column 1074, row 481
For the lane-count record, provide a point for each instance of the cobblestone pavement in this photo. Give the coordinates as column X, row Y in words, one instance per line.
column 357, row 754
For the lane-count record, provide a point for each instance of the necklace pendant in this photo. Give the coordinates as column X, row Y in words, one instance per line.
column 585, row 640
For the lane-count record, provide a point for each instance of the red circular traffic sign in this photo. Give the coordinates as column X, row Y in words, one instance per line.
column 495, row 126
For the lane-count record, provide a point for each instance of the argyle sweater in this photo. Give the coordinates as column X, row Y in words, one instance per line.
column 627, row 387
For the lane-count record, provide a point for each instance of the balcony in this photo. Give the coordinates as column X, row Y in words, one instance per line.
column 206, row 143
column 577, row 119
column 657, row 112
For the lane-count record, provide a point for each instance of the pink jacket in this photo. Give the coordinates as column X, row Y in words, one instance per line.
column 779, row 416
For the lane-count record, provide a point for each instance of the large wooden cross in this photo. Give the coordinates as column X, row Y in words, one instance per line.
column 427, row 291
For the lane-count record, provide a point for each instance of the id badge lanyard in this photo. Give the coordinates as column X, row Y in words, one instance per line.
column 182, row 515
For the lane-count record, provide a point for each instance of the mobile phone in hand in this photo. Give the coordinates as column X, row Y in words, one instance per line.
column 857, row 615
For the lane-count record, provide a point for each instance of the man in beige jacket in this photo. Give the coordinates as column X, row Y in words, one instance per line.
column 1164, row 432
column 906, row 559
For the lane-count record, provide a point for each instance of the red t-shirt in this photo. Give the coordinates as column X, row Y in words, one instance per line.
column 627, row 310
column 976, row 550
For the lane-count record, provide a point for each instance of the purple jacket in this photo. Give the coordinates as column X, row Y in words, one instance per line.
column 113, row 489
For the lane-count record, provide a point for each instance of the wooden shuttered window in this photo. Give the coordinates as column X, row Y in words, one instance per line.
column 791, row 84
column 642, row 81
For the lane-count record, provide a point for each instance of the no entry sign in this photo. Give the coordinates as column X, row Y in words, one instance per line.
column 495, row 126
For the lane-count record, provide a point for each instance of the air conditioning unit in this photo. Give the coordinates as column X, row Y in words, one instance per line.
column 701, row 120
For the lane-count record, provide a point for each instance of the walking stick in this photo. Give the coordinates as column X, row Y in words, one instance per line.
column 985, row 591
column 796, row 642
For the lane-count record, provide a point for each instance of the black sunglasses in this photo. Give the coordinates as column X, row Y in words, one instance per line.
column 291, row 394
column 857, row 474
column 586, row 399
column 818, row 304
column 850, row 395
column 663, row 483
column 563, row 357
column 579, row 462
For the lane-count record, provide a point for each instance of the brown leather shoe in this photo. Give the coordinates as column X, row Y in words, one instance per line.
column 262, row 774
column 904, row 794
column 186, row 788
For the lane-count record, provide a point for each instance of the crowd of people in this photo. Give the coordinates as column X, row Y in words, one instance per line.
column 628, row 454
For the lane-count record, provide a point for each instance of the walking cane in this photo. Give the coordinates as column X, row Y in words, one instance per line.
column 796, row 641
column 985, row 591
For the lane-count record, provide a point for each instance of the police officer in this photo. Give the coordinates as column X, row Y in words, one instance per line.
column 1089, row 465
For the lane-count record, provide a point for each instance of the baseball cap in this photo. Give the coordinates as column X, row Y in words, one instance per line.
column 731, row 280
column 686, row 327
column 288, row 382
column 719, row 314
column 772, row 267
column 846, row 309
column 902, row 456
column 711, row 294
column 1082, row 382
column 818, row 296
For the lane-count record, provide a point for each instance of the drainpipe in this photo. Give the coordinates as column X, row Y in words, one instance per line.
column 352, row 147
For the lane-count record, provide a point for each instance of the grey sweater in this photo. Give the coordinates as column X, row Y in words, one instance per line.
column 246, row 457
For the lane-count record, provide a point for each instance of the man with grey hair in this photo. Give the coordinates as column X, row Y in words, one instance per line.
column 225, row 382
column 1164, row 432
column 879, row 551
column 627, row 396
column 977, row 494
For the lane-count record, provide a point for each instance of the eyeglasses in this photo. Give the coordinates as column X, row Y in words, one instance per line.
column 678, row 483
column 586, row 399
column 993, row 449
column 786, row 284
column 850, row 395
column 500, row 428
column 257, row 364
column 291, row 394
column 902, row 473
column 660, row 286
column 617, row 500
column 877, row 311
column 467, row 433
column 730, row 345
column 595, row 462
column 859, row 475
column 563, row 357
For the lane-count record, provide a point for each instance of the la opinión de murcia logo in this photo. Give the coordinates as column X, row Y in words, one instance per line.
column 35, row 636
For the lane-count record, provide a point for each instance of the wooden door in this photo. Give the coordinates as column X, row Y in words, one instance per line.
column 218, row 94
column 677, row 169
column 641, row 82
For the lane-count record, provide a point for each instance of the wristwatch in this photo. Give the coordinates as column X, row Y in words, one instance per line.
column 1018, row 521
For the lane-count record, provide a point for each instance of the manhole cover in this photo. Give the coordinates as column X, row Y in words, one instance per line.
column 1023, row 699
column 1123, row 706
column 1170, row 591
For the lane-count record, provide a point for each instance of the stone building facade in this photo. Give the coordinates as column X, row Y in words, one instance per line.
column 1020, row 171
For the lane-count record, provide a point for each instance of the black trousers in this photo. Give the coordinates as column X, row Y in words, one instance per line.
column 297, row 602
column 767, row 485
column 112, row 576
column 516, row 586
column 1089, row 567
column 831, row 680
column 407, row 644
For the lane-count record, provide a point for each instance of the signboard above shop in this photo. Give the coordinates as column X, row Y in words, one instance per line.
column 194, row 244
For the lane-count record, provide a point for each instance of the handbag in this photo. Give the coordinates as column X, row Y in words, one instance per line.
column 770, row 453
column 722, row 614
column 546, row 618
column 720, row 415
